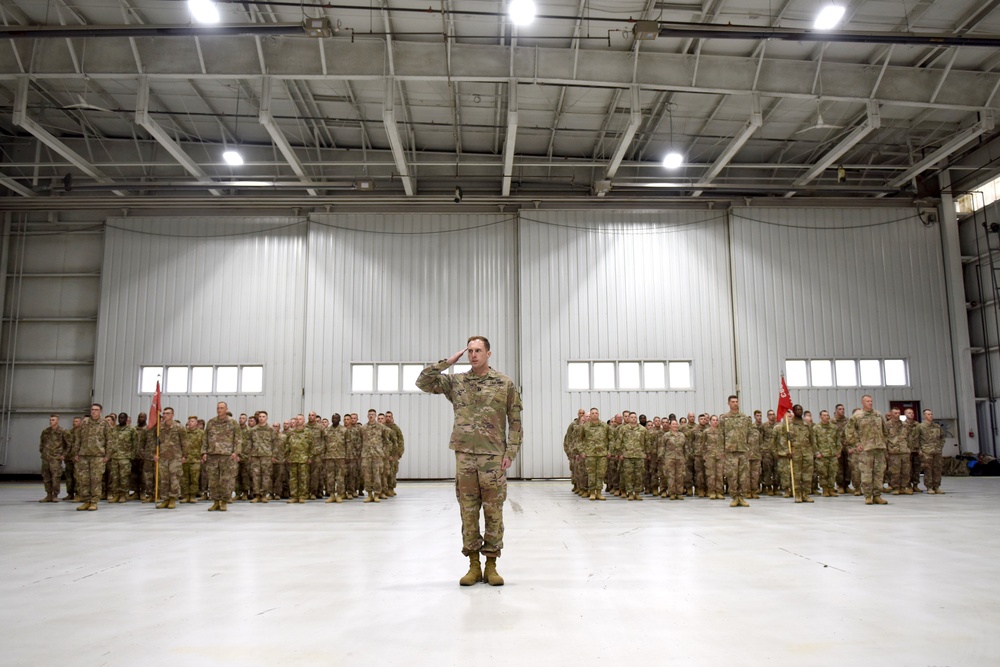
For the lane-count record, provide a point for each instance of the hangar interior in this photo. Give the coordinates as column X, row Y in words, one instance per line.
column 644, row 204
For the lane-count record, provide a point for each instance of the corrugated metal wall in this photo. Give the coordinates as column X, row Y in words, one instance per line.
column 407, row 288
column 618, row 286
column 202, row 291
column 841, row 283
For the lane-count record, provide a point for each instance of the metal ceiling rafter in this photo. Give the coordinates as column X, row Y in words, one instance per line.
column 749, row 127
column 21, row 119
column 448, row 19
column 143, row 119
column 560, row 104
column 395, row 141
column 11, row 184
column 510, row 139
column 985, row 124
column 872, row 122
column 625, row 140
column 278, row 137
column 965, row 25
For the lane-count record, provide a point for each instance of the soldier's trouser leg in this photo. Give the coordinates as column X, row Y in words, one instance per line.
column 854, row 460
column 872, row 466
column 170, row 478
column 190, row 475
column 597, row 467
column 631, row 475
column 260, row 475
column 931, row 462
column 135, row 477
column 675, row 469
column 767, row 474
column 915, row 464
column 895, row 468
column 393, row 473
column 220, row 477
column 278, row 480
column 665, row 476
column 689, row 473
column 715, row 470
column 784, row 473
column 386, row 474
column 70, row 478
column 120, row 471
column 372, row 469
column 148, row 477
column 334, row 471
column 51, row 476
column 106, row 478
column 297, row 480
column 91, row 471
column 804, row 471
column 755, row 466
column 316, row 478
column 699, row 473
column 481, row 482
column 843, row 468
column 826, row 470
column 738, row 473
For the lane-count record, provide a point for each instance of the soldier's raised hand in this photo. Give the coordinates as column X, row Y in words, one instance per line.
column 458, row 355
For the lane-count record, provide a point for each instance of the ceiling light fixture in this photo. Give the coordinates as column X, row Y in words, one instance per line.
column 673, row 159
column 204, row 11
column 231, row 155
column 829, row 17
column 521, row 12
column 233, row 158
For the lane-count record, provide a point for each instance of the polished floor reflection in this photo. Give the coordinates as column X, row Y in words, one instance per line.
column 690, row 582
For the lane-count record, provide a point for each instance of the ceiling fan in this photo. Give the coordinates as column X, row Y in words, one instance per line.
column 84, row 104
column 820, row 124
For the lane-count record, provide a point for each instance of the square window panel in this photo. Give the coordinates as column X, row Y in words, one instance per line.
column 461, row 368
column 871, row 372
column 362, row 377
column 226, row 379
column 579, row 376
column 654, row 375
column 148, row 376
column 847, row 372
column 252, row 380
column 410, row 373
column 795, row 373
column 201, row 379
column 177, row 379
column 388, row 377
column 604, row 375
column 895, row 373
column 821, row 371
column 680, row 374
column 629, row 376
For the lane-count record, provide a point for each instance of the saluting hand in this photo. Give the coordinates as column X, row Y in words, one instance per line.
column 458, row 355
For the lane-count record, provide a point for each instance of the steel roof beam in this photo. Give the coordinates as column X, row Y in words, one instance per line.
column 510, row 139
column 395, row 141
column 749, row 127
column 278, row 137
column 984, row 125
column 872, row 122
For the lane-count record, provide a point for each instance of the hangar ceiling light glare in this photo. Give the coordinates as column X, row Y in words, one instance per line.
column 521, row 12
column 829, row 17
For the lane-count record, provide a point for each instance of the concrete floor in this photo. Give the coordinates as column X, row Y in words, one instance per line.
column 653, row 583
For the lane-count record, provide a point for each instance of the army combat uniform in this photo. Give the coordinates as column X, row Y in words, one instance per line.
column 736, row 432
column 714, row 453
column 194, row 439
column 299, row 447
column 123, row 444
column 898, row 448
column 930, row 439
column 867, row 430
column 672, row 460
column 798, row 463
column 595, row 447
column 222, row 440
column 91, row 448
column 632, row 449
column 375, row 439
column 52, row 447
column 334, row 462
column 485, row 408
column 827, row 456
column 171, row 466
column 261, row 452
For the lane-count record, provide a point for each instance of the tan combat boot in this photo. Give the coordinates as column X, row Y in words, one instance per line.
column 83, row 507
column 879, row 500
column 255, row 499
column 826, row 493
column 907, row 491
column 172, row 504
column 264, row 499
column 807, row 499
column 599, row 496
column 376, row 497
column 593, row 495
column 92, row 506
column 123, row 498
column 490, row 574
column 735, row 502
column 338, row 499
column 214, row 507
column 331, row 499
column 743, row 502
column 475, row 573
column 370, row 497
column 222, row 505
column 162, row 505
column 869, row 501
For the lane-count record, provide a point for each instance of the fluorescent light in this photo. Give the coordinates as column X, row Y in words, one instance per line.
column 233, row 158
column 673, row 160
column 521, row 12
column 829, row 17
column 204, row 11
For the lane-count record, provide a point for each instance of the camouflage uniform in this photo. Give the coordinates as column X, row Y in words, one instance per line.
column 698, row 458
column 572, row 444
column 768, row 471
column 801, row 459
column 299, row 448
column 397, row 454
column 736, row 430
column 672, row 460
column 847, row 469
column 827, row 456
column 70, row 453
column 930, row 439
column 633, row 450
column 148, row 450
column 714, row 455
column 242, row 487
column 279, row 473
column 375, row 439
column 171, row 452
column 652, row 476
column 914, row 445
column 689, row 430
column 355, row 481
column 334, row 460
column 194, row 439
column 261, row 451
column 92, row 447
column 316, row 461
column 52, row 448
column 595, row 448
column 867, row 430
column 122, row 447
column 613, row 475
column 222, row 440
column 898, row 448
column 389, row 448
column 485, row 406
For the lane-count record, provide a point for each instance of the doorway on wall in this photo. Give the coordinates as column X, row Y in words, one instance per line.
column 903, row 406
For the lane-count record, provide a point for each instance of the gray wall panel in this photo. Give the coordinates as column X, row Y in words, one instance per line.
column 406, row 288
column 841, row 283
column 619, row 286
column 202, row 291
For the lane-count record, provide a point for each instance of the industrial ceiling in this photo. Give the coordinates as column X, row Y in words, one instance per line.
column 440, row 100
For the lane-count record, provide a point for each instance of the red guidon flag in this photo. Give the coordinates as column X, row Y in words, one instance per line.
column 154, row 409
column 784, row 399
